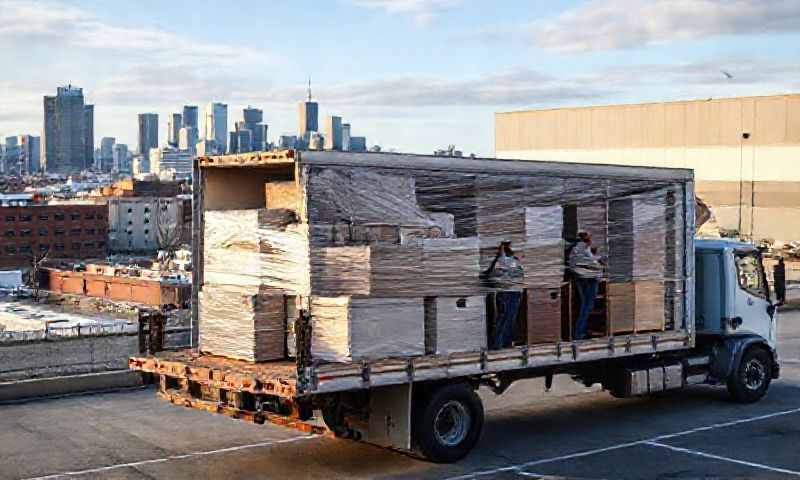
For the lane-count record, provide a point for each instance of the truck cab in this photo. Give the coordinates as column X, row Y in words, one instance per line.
column 735, row 316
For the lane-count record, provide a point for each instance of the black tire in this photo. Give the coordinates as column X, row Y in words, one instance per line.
column 447, row 423
column 752, row 377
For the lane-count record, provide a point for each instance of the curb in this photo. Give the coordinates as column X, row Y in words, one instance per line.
column 24, row 390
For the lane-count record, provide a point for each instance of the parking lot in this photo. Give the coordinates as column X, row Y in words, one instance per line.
column 571, row 432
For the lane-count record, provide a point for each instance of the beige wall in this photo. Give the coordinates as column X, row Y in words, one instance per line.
column 705, row 136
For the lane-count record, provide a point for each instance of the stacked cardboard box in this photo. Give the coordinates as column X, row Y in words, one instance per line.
column 450, row 266
column 636, row 238
column 543, row 314
column 242, row 322
column 349, row 329
column 252, row 259
column 543, row 253
column 636, row 306
column 455, row 324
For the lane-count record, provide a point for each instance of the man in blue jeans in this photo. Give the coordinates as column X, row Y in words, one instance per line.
column 507, row 275
column 587, row 267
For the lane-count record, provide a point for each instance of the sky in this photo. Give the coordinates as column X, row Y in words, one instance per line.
column 410, row 75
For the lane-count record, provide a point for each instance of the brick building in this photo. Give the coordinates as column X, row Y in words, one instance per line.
column 66, row 231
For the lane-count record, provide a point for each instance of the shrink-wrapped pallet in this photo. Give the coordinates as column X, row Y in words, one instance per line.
column 450, row 266
column 256, row 247
column 338, row 271
column 346, row 329
column 592, row 218
column 637, row 238
column 455, row 324
column 543, row 251
column 242, row 322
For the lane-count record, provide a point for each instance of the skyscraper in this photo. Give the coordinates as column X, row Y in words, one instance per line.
column 120, row 158
column 174, row 125
column 107, row 154
column 309, row 112
column 187, row 139
column 333, row 133
column 345, row 137
column 216, row 124
column 148, row 133
column 190, row 116
column 68, row 133
column 253, row 121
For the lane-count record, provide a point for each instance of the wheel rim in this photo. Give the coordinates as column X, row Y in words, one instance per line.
column 754, row 374
column 452, row 423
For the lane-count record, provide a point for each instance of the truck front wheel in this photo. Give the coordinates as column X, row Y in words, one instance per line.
column 447, row 423
column 750, row 381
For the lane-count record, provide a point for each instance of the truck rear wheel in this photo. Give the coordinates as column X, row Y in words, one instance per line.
column 750, row 381
column 447, row 423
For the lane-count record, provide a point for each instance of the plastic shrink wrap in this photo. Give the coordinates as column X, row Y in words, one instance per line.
column 347, row 329
column 455, row 324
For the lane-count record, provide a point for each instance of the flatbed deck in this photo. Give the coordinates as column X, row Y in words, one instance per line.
column 280, row 378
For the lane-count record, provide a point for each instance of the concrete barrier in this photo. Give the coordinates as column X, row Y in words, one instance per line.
column 67, row 385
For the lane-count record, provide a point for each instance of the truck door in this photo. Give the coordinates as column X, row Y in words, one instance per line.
column 753, row 312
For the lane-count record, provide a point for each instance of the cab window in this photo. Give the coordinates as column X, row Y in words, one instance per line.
column 750, row 273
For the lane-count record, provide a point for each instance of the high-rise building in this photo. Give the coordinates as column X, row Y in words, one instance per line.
column 216, row 124
column 253, row 121
column 241, row 140
column 309, row 112
column 187, row 139
column 171, row 163
column 107, row 154
column 88, row 134
column 287, row 141
column 148, row 133
column 333, row 133
column 345, row 137
column 190, row 116
column 120, row 158
column 358, row 144
column 67, row 144
column 174, row 125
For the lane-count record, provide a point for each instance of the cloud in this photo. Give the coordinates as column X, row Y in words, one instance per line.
column 619, row 24
column 30, row 24
column 422, row 11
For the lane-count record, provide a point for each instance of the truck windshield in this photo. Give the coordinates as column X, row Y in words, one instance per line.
column 750, row 273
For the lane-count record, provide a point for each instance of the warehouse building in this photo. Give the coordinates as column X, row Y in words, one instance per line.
column 745, row 151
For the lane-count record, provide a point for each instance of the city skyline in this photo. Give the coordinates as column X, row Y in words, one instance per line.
column 417, row 75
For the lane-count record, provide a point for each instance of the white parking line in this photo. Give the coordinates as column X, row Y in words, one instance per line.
column 585, row 453
column 725, row 459
column 172, row 457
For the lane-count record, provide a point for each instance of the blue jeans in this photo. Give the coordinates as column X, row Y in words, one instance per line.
column 587, row 289
column 507, row 306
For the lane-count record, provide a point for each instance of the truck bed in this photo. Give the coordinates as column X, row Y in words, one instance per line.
column 281, row 379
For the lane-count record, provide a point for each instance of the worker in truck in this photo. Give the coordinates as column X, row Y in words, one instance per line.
column 587, row 268
column 505, row 274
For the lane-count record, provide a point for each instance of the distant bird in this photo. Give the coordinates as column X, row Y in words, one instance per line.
column 727, row 74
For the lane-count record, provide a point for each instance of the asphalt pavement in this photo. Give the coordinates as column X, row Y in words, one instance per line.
column 571, row 432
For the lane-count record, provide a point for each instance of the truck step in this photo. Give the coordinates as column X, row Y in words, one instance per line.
column 698, row 361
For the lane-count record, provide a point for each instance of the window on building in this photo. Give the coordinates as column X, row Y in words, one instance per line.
column 43, row 232
column 146, row 232
column 146, row 209
column 43, row 247
column 88, row 244
column 75, row 232
column 58, row 232
column 25, row 249
column 25, row 217
column 43, row 216
column 10, row 233
column 146, row 221
column 130, row 210
column 90, row 231
column 26, row 232
column 101, row 244
column 75, row 246
column 75, row 215
column 10, row 249
column 59, row 217
column 11, row 218
column 90, row 216
column 59, row 247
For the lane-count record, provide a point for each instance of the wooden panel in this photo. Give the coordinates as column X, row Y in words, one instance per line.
column 543, row 308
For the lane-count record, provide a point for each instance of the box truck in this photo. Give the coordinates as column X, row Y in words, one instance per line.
column 361, row 288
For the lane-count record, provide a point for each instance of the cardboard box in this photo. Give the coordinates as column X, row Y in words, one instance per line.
column 282, row 195
column 455, row 324
column 636, row 306
column 242, row 322
column 349, row 329
column 543, row 313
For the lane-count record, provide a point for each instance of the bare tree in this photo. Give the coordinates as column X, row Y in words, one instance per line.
column 36, row 262
column 168, row 229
